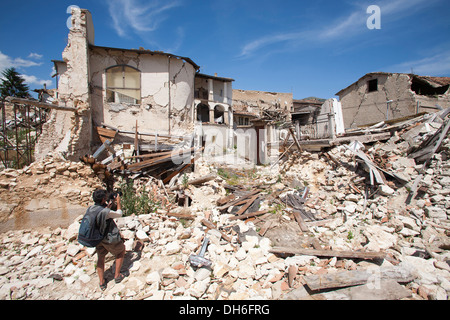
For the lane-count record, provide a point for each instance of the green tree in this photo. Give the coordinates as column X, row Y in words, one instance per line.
column 12, row 84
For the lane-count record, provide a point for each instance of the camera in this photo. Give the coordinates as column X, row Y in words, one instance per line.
column 113, row 195
column 112, row 199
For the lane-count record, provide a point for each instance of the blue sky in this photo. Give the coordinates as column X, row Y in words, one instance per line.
column 309, row 48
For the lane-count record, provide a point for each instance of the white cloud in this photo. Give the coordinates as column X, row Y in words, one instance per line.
column 435, row 65
column 35, row 55
column 338, row 29
column 33, row 80
column 137, row 15
column 8, row 62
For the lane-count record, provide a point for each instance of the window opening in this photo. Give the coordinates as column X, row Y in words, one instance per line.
column 219, row 114
column 123, row 85
column 372, row 85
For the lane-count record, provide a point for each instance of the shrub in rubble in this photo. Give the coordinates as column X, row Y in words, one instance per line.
column 137, row 202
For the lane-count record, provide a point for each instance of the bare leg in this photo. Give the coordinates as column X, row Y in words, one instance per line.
column 119, row 262
column 101, row 269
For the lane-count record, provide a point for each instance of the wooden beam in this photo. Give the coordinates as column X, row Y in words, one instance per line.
column 267, row 225
column 106, row 134
column 330, row 253
column 235, row 202
column 39, row 104
column 247, row 205
column 178, row 171
column 143, row 133
column 136, row 141
column 357, row 277
column 224, row 200
column 202, row 179
column 291, row 130
column 157, row 154
column 300, row 221
column 249, row 215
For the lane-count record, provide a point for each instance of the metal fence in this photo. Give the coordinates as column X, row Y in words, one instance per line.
column 21, row 125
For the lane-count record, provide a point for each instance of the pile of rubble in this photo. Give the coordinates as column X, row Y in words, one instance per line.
column 354, row 222
column 53, row 178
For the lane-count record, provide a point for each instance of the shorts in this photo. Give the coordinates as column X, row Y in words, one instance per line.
column 115, row 249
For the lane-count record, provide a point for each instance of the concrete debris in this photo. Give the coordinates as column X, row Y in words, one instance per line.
column 335, row 215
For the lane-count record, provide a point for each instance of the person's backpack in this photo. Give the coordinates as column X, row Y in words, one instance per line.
column 89, row 234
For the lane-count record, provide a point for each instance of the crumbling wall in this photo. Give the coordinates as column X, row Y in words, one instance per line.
column 361, row 107
column 257, row 101
column 70, row 132
column 158, row 98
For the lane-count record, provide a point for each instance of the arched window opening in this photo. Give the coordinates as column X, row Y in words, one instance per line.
column 123, row 85
column 219, row 114
column 203, row 113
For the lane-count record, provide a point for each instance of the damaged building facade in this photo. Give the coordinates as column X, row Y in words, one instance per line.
column 258, row 117
column 213, row 98
column 381, row 96
column 317, row 118
column 127, row 89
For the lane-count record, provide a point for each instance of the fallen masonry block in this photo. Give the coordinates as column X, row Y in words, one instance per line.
column 385, row 290
column 329, row 253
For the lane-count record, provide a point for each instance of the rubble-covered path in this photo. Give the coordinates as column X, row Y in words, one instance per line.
column 316, row 228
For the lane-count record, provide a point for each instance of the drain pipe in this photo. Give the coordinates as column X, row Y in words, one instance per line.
column 387, row 108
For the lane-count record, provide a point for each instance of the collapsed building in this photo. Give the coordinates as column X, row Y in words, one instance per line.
column 380, row 96
column 317, row 118
column 126, row 89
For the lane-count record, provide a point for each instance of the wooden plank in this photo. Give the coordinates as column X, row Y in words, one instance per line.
column 330, row 253
column 300, row 221
column 248, row 204
column 40, row 104
column 136, row 141
column 233, row 203
column 149, row 163
column 267, row 225
column 357, row 277
column 384, row 290
column 249, row 215
column 173, row 174
column 291, row 130
column 106, row 134
column 143, row 133
column 224, row 200
column 202, row 179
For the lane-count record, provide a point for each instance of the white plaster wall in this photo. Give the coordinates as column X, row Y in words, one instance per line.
column 152, row 113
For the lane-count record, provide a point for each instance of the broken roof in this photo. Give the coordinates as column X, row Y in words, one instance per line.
column 140, row 51
column 146, row 51
column 205, row 76
column 434, row 81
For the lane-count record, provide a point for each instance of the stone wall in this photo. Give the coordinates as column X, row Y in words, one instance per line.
column 362, row 107
column 256, row 101
column 71, row 133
